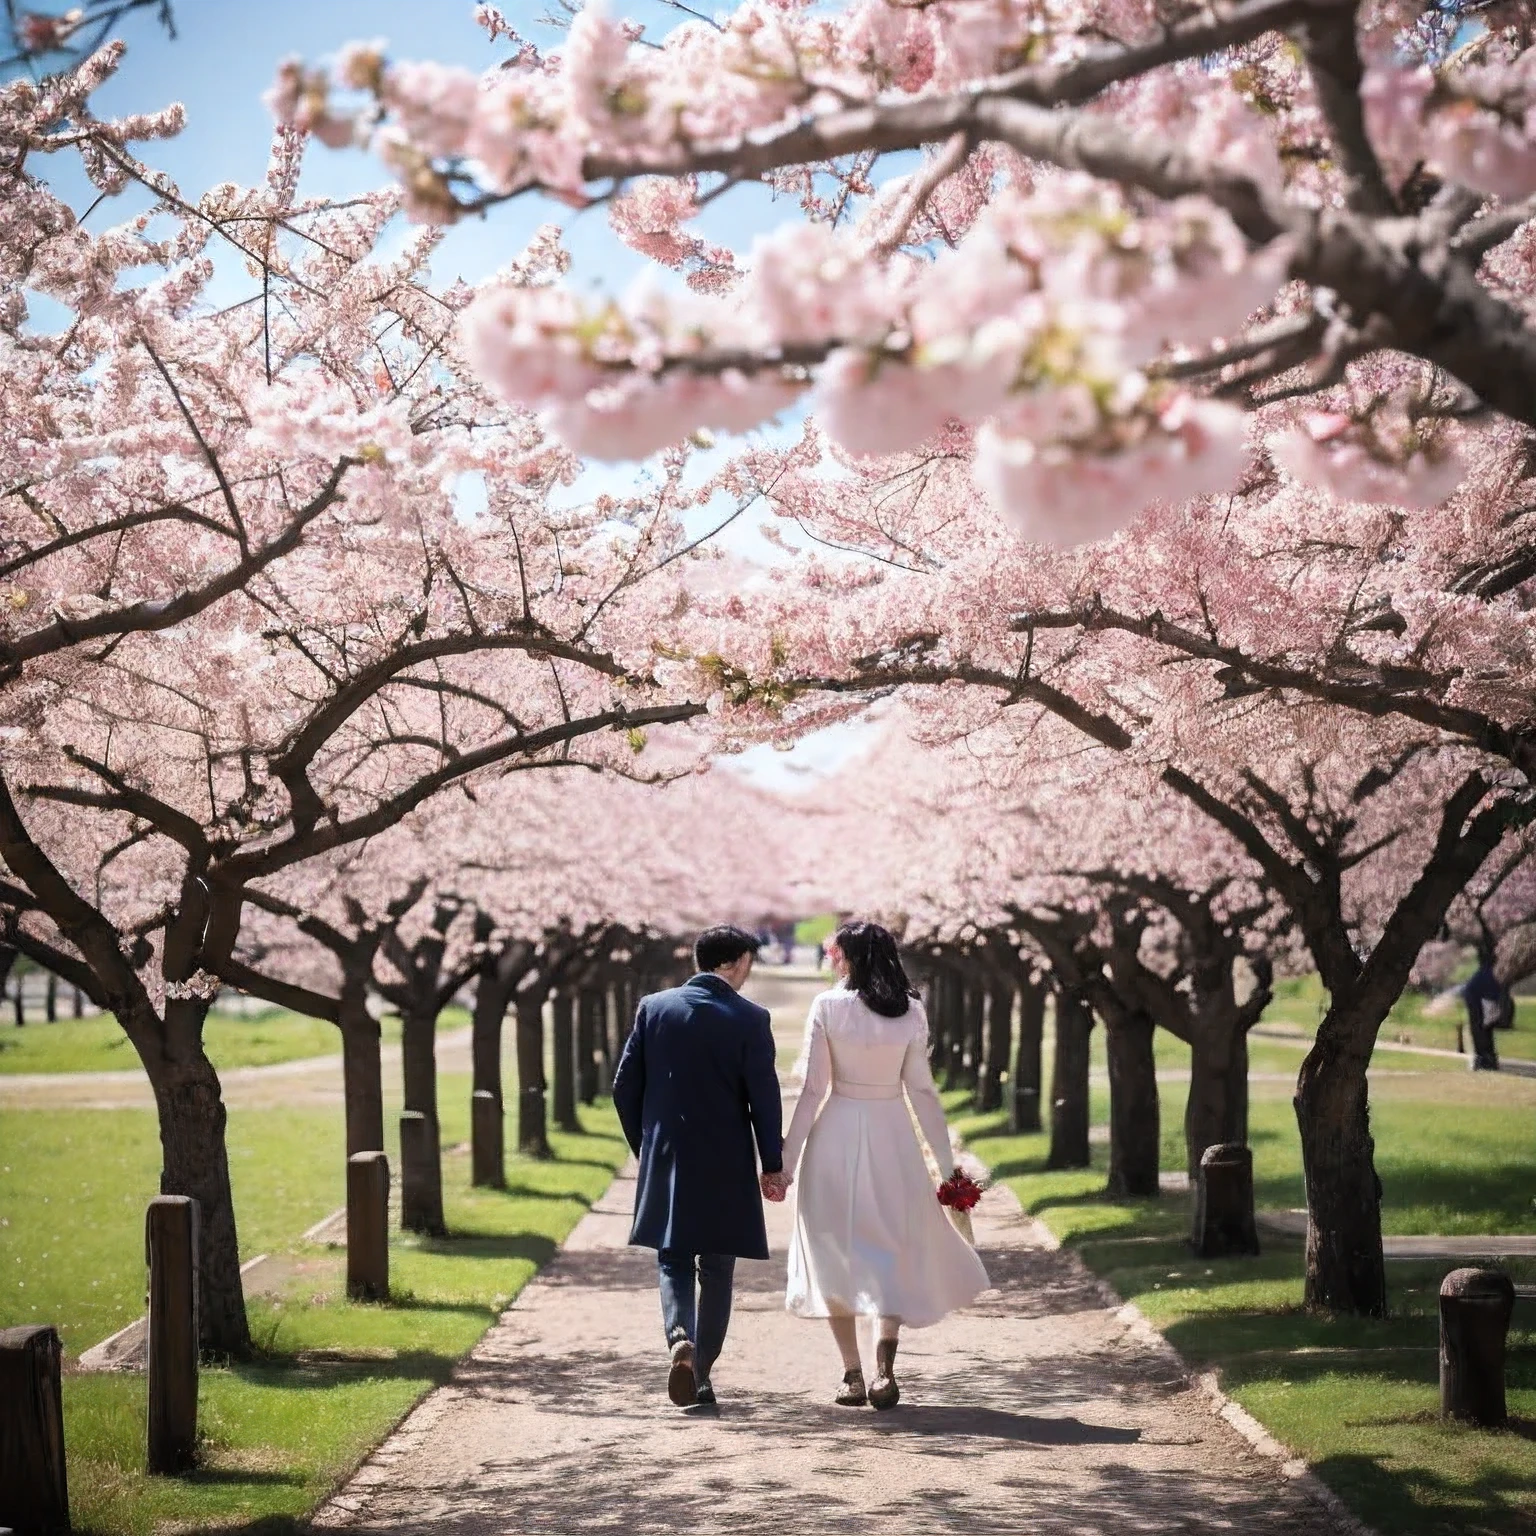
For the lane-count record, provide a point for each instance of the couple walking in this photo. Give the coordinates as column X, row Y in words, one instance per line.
column 698, row 1097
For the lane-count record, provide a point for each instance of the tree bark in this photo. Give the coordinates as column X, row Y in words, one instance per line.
column 1025, row 1098
column 362, row 1071
column 532, row 1126
column 362, row 1076
column 492, row 994
column 613, row 1033
column 975, row 1015
column 1135, row 1131
column 998, row 1039
column 421, row 1162
column 1345, row 1267
column 1069, row 1084
column 627, row 999
column 955, row 1031
column 1216, row 1112
column 938, row 1022
column 195, row 1162
column 587, row 1022
column 563, row 1022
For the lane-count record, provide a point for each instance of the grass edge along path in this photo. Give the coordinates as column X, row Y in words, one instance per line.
column 333, row 1378
column 1355, row 1399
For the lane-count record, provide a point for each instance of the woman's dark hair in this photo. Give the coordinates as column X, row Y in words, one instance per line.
column 875, row 970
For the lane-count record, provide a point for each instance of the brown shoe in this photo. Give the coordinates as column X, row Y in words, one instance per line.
column 884, row 1391
column 682, row 1387
column 851, row 1394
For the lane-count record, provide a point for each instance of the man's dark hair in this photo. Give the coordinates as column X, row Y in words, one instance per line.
column 720, row 946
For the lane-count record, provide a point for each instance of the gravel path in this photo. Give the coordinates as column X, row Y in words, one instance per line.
column 1035, row 1411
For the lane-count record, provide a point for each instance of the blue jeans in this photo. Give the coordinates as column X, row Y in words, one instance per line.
column 702, row 1322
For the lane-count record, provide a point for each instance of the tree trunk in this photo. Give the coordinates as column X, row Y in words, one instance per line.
column 954, row 1034
column 421, row 1160
column 627, row 999
column 1345, row 1268
column 994, row 1056
column 938, row 1020
column 1069, row 1084
column 1025, row 1115
column 362, row 1076
column 613, row 1033
column 1135, row 1133
column 196, row 1163
column 51, row 999
column 492, row 995
column 532, row 1128
column 563, row 1020
column 1216, row 1112
column 19, row 981
column 975, row 1033
column 587, row 1020
column 78, row 1002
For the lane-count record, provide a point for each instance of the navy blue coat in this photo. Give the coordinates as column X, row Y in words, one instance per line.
column 695, row 1090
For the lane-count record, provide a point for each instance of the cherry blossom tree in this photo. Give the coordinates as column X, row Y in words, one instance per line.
column 1310, row 792
column 1106, row 196
column 340, row 637
column 545, row 889
column 1140, row 907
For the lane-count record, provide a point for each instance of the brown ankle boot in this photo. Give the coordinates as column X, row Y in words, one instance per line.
column 883, row 1391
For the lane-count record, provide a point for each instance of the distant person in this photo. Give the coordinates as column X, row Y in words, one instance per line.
column 870, row 1236
column 698, row 1097
column 1484, row 997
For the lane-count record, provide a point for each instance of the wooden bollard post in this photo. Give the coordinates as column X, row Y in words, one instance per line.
column 170, row 1240
column 420, row 1169
column 34, row 1491
column 1224, row 1219
column 487, row 1162
column 1475, row 1309
column 368, row 1226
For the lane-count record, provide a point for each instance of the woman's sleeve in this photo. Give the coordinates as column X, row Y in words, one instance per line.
column 924, row 1097
column 815, row 1067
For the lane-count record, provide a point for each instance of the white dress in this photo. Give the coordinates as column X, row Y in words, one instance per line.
column 870, row 1235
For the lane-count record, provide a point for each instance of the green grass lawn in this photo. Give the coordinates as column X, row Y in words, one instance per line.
column 332, row 1377
column 816, row 930
column 232, row 1040
column 1358, row 1399
column 1299, row 1002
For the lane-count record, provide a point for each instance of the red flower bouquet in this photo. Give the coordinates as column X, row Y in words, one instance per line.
column 960, row 1192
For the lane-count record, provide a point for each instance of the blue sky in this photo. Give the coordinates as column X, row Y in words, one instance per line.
column 227, row 52
column 225, row 55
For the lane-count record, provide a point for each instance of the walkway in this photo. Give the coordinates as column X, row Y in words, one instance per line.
column 1507, row 1064
column 308, row 1080
column 1512, row 1245
column 1034, row 1411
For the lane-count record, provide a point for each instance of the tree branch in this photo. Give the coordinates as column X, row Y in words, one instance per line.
column 164, row 613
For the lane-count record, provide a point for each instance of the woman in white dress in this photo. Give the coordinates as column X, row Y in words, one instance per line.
column 871, row 1238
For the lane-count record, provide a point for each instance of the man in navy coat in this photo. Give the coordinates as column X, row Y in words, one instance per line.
column 698, row 1097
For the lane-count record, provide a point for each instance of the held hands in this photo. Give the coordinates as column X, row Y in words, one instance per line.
column 775, row 1186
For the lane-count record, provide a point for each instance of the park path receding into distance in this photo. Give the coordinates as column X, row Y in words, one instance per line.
column 307, row 1080
column 1035, row 1411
